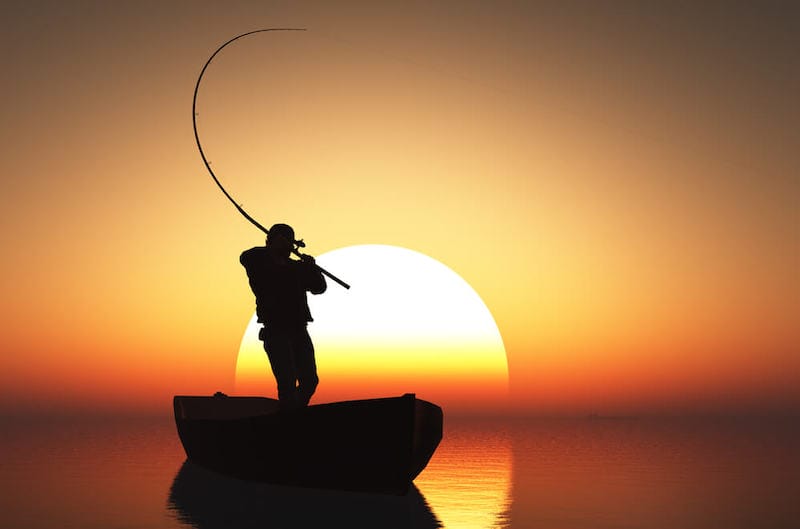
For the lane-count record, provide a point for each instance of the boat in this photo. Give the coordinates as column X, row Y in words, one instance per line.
column 372, row 445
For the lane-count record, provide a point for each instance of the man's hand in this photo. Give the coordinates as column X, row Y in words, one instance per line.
column 307, row 258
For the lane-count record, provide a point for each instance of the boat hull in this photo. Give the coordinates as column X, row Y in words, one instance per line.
column 374, row 445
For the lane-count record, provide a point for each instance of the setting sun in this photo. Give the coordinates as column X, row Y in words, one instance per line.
column 408, row 324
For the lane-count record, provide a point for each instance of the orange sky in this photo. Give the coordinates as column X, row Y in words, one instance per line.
column 619, row 185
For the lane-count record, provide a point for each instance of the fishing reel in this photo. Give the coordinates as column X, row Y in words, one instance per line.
column 296, row 245
column 296, row 249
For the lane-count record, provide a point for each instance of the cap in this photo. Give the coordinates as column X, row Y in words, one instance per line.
column 282, row 229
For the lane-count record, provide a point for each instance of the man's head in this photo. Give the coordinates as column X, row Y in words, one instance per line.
column 281, row 239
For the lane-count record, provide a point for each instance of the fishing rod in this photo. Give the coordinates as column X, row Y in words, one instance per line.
column 297, row 244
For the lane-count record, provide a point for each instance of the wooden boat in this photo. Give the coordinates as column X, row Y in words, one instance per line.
column 375, row 445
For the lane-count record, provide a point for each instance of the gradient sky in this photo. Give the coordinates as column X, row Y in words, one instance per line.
column 619, row 183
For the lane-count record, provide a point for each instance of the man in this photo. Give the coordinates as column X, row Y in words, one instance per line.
column 280, row 284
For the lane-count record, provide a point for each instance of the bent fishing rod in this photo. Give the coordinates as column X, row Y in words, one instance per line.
column 297, row 244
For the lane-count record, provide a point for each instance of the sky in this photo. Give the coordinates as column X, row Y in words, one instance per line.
column 617, row 182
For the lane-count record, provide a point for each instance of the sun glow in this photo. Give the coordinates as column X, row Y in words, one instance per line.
column 408, row 324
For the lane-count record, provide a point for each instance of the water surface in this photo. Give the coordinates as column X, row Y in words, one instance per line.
column 521, row 473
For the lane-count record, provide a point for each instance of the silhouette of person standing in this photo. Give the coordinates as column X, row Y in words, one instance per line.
column 280, row 285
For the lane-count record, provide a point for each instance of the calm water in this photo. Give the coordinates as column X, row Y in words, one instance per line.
column 92, row 473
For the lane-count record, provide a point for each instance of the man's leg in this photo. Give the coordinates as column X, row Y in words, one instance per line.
column 306, row 366
column 278, row 346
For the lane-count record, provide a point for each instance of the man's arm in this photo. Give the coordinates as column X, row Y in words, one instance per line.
column 313, row 280
column 246, row 257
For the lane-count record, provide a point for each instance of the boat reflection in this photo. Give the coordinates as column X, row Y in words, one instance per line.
column 206, row 500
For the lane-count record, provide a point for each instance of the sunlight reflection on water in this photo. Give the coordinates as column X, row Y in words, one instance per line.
column 468, row 480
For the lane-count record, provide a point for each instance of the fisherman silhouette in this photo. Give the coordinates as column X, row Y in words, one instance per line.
column 280, row 285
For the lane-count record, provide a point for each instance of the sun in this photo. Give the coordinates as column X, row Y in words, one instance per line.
column 409, row 324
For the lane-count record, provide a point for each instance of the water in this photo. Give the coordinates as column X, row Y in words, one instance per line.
column 599, row 473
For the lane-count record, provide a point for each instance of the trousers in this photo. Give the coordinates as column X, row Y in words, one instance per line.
column 291, row 357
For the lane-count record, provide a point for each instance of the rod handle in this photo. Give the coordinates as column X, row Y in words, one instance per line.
column 323, row 271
